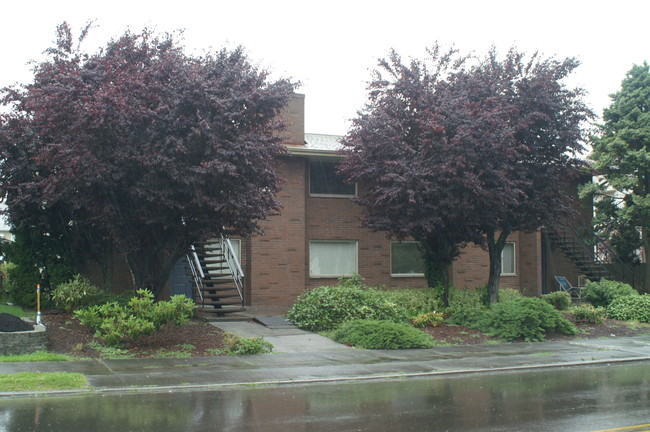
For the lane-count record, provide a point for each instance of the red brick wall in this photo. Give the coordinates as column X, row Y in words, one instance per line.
column 530, row 263
column 340, row 219
column 277, row 263
column 276, row 272
column 471, row 268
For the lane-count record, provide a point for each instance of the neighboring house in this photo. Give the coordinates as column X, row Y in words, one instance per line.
column 318, row 238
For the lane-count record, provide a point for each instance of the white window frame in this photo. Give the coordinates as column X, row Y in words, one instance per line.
column 329, row 276
column 325, row 195
column 514, row 259
column 400, row 275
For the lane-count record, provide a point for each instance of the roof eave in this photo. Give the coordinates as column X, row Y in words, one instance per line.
column 304, row 151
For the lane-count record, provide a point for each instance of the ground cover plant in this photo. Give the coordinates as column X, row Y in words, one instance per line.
column 376, row 334
column 235, row 345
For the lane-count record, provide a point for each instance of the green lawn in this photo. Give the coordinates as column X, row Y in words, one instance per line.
column 15, row 310
column 38, row 356
column 33, row 381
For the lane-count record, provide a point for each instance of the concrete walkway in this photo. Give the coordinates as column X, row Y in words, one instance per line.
column 285, row 339
column 304, row 357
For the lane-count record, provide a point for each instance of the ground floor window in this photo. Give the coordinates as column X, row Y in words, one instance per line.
column 332, row 258
column 405, row 259
column 508, row 261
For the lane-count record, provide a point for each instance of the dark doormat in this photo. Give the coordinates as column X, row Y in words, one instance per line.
column 274, row 322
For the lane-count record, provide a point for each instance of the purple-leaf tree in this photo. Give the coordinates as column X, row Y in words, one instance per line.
column 459, row 150
column 141, row 149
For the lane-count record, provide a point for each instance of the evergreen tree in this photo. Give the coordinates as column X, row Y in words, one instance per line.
column 621, row 156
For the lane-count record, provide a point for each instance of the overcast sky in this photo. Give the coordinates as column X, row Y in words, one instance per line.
column 331, row 46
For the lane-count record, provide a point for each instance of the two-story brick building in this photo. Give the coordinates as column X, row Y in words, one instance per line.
column 318, row 238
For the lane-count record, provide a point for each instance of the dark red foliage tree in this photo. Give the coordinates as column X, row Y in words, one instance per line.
column 466, row 150
column 141, row 149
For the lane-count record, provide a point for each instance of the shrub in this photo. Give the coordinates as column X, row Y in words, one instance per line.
column 20, row 284
column 601, row 294
column 114, row 323
column 525, row 318
column 588, row 313
column 36, row 258
column 560, row 300
column 630, row 308
column 76, row 293
column 507, row 294
column 246, row 346
column 375, row 334
column 325, row 308
column 466, row 307
column 433, row 319
column 415, row 301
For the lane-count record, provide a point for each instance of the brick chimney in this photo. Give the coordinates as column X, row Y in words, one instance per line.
column 294, row 115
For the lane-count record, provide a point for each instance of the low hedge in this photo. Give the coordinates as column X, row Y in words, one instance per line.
column 630, row 308
column 601, row 294
column 527, row 318
column 376, row 334
column 325, row 308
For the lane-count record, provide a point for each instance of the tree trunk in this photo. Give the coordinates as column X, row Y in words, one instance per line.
column 438, row 257
column 151, row 271
column 495, row 247
column 107, row 266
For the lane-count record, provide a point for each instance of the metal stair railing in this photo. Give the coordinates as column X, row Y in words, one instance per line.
column 570, row 239
column 197, row 272
column 233, row 265
column 232, row 268
column 600, row 254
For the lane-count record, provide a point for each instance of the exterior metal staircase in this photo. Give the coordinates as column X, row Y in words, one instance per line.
column 593, row 262
column 217, row 276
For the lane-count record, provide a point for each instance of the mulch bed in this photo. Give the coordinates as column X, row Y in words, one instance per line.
column 66, row 336
column 11, row 323
column 459, row 335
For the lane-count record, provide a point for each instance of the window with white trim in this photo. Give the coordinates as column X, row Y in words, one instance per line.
column 332, row 258
column 406, row 259
column 508, row 259
column 325, row 181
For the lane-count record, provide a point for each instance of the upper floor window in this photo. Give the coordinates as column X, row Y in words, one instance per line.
column 325, row 181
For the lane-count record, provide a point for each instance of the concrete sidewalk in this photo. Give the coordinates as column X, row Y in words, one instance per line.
column 304, row 357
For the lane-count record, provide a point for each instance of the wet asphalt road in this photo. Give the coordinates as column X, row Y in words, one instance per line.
column 586, row 398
